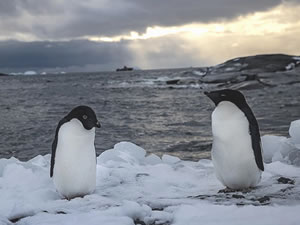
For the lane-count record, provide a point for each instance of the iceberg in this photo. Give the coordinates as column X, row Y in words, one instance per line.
column 30, row 72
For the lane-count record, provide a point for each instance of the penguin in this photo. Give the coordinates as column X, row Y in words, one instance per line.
column 236, row 148
column 73, row 158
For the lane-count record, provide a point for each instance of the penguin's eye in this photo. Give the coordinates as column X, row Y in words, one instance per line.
column 223, row 95
column 84, row 117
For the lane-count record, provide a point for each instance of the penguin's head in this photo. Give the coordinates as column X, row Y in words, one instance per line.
column 85, row 115
column 229, row 95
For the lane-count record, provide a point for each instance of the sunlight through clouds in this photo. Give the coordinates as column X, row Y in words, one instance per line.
column 207, row 44
column 259, row 23
column 184, row 35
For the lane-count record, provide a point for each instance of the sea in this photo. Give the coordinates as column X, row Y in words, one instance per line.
column 135, row 106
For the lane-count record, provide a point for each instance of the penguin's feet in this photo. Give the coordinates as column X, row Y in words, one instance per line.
column 229, row 190
column 69, row 198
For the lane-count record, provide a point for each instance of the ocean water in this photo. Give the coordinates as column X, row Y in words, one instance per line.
column 135, row 106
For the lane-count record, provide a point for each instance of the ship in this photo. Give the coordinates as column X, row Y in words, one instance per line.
column 125, row 68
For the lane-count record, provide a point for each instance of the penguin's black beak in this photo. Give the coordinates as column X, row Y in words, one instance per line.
column 208, row 94
column 98, row 124
column 213, row 96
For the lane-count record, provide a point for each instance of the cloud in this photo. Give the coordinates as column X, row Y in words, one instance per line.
column 78, row 54
column 272, row 31
column 69, row 19
column 275, row 30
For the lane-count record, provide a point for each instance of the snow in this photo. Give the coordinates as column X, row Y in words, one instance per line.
column 290, row 66
column 199, row 73
column 133, row 186
column 296, row 58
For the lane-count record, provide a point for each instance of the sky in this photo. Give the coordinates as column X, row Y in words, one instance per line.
column 93, row 35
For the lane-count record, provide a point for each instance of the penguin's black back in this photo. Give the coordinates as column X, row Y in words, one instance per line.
column 255, row 135
column 54, row 144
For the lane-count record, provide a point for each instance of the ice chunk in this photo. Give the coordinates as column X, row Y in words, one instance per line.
column 294, row 131
column 153, row 159
column 281, row 148
column 134, row 210
column 273, row 146
column 123, row 152
column 294, row 157
column 131, row 149
column 169, row 159
column 109, row 155
column 5, row 162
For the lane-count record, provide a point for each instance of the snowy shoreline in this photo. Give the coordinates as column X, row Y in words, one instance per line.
column 135, row 188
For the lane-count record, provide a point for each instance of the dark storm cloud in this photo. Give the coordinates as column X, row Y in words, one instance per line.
column 69, row 19
column 139, row 14
column 45, row 54
column 14, row 8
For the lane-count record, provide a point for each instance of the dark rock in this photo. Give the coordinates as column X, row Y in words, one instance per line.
column 139, row 222
column 248, row 85
column 263, row 199
column 61, row 212
column 3, row 74
column 222, row 78
column 172, row 82
column 226, row 190
column 284, row 180
column 237, row 196
column 250, row 77
column 142, row 175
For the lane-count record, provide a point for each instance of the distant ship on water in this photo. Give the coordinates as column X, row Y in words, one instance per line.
column 125, row 68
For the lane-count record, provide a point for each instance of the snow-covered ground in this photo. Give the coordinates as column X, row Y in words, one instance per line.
column 136, row 188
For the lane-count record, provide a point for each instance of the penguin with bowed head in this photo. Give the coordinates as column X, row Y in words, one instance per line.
column 73, row 159
column 236, row 148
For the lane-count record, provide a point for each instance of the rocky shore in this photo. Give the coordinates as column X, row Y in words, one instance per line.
column 250, row 72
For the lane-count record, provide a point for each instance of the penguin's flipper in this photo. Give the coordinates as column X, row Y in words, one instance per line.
column 54, row 144
column 255, row 137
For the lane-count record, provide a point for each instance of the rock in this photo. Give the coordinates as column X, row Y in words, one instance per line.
column 263, row 199
column 223, row 78
column 172, row 82
column 248, row 85
column 252, row 72
column 284, row 180
column 237, row 196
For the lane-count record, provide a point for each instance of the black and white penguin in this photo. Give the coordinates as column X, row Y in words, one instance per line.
column 236, row 148
column 73, row 159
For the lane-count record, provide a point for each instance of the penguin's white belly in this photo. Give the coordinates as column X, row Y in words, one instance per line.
column 75, row 161
column 232, row 152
